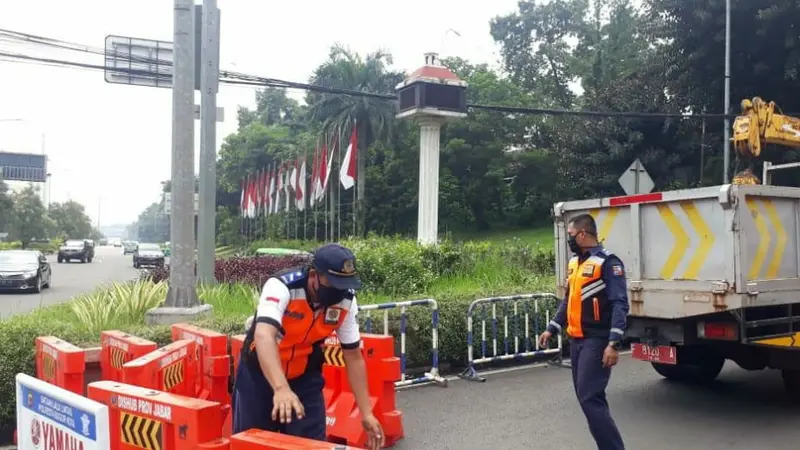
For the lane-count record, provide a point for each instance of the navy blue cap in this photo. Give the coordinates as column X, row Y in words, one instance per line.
column 339, row 265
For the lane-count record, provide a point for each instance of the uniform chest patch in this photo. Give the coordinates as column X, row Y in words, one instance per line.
column 332, row 316
column 571, row 271
column 588, row 270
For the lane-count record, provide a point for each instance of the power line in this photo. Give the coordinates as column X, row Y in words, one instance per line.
column 236, row 78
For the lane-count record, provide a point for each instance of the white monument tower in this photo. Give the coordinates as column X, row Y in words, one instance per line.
column 431, row 95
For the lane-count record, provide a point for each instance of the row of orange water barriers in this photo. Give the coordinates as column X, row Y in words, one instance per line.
column 177, row 397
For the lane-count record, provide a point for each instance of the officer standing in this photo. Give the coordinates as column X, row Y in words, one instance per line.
column 279, row 381
column 594, row 311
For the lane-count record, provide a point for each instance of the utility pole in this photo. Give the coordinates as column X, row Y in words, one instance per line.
column 209, row 84
column 181, row 303
column 726, row 145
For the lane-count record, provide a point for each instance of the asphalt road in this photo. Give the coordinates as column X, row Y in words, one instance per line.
column 536, row 409
column 71, row 279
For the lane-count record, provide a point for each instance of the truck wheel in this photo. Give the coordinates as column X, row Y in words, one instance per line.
column 696, row 373
column 60, row 260
column 791, row 383
column 89, row 259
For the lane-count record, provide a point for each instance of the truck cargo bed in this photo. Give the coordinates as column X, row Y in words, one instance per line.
column 697, row 251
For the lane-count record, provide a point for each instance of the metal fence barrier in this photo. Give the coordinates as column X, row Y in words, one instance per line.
column 430, row 376
column 527, row 308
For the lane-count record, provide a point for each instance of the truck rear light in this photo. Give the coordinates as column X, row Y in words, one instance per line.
column 718, row 330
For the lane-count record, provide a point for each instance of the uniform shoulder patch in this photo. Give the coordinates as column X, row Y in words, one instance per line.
column 617, row 270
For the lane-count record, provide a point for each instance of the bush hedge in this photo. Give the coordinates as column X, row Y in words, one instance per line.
column 393, row 270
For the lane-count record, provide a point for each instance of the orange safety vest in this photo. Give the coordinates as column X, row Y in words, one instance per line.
column 304, row 330
column 588, row 309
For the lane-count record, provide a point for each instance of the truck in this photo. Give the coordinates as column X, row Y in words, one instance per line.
column 713, row 273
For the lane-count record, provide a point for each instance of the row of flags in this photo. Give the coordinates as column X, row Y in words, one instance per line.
column 270, row 190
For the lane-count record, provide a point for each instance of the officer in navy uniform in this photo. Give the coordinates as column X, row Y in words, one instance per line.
column 594, row 310
column 278, row 384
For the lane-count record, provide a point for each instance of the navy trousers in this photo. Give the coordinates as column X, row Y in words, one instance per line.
column 252, row 404
column 590, row 379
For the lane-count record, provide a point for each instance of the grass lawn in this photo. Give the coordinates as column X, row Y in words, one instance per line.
column 541, row 237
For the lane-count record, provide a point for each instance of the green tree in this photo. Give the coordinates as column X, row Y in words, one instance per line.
column 373, row 117
column 6, row 206
column 30, row 221
column 71, row 220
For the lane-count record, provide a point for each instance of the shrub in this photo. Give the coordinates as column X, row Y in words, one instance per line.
column 119, row 304
column 252, row 270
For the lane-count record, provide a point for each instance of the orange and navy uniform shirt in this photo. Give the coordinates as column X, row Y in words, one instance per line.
column 596, row 303
column 302, row 327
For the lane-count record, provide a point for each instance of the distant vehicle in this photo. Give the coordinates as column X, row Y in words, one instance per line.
column 129, row 247
column 148, row 255
column 102, row 242
column 80, row 249
column 24, row 270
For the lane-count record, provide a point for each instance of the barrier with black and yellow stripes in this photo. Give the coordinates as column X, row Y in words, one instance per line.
column 144, row 419
column 60, row 363
column 172, row 368
column 333, row 355
column 118, row 348
column 213, row 361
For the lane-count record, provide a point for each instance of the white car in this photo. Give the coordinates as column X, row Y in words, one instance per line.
column 129, row 247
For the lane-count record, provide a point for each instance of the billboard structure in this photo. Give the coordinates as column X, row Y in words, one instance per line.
column 23, row 167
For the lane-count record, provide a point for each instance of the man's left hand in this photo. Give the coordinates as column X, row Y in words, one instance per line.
column 610, row 356
column 376, row 439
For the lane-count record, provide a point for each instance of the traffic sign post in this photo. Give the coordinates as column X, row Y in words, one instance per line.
column 636, row 180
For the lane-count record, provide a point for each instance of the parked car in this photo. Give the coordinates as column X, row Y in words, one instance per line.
column 80, row 249
column 24, row 270
column 129, row 247
column 148, row 255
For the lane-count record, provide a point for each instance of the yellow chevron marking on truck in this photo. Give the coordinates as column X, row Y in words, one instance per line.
column 792, row 340
column 763, row 244
column 604, row 226
column 780, row 244
column 705, row 244
column 681, row 241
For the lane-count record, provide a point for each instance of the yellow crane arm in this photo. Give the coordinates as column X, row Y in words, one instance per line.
column 759, row 125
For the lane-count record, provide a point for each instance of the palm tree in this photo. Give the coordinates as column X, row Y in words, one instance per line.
column 373, row 116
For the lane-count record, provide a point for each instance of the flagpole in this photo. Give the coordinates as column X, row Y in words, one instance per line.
column 355, row 178
column 324, row 188
column 339, row 194
column 305, row 193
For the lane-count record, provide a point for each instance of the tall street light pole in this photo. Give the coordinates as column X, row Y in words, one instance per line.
column 727, row 132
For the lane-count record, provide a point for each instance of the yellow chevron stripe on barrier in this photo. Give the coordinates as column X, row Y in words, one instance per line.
column 173, row 375
column 334, row 355
column 140, row 431
column 780, row 242
column 604, row 225
column 49, row 367
column 704, row 245
column 117, row 358
column 784, row 341
column 681, row 241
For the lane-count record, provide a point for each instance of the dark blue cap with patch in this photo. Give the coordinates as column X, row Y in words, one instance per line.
column 339, row 265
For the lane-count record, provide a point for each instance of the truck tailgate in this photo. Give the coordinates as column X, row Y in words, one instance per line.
column 697, row 251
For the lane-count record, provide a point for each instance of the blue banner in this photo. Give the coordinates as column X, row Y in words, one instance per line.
column 76, row 419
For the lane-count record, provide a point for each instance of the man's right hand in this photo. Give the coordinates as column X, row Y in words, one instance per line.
column 544, row 339
column 284, row 403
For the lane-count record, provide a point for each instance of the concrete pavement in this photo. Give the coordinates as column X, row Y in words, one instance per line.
column 71, row 279
column 536, row 409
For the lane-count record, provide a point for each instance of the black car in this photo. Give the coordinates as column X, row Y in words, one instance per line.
column 148, row 255
column 80, row 249
column 24, row 270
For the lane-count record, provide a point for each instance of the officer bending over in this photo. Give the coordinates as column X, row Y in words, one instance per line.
column 279, row 381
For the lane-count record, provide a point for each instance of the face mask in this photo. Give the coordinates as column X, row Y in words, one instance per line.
column 573, row 244
column 328, row 296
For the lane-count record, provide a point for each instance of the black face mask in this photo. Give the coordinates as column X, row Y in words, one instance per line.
column 573, row 244
column 328, row 296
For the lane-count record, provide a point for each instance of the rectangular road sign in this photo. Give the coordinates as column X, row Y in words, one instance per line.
column 140, row 62
column 23, row 167
column 147, row 62
column 168, row 203
column 49, row 417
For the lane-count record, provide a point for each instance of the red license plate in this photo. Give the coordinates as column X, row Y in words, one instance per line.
column 662, row 354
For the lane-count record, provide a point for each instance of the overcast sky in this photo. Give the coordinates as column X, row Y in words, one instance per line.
column 109, row 145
